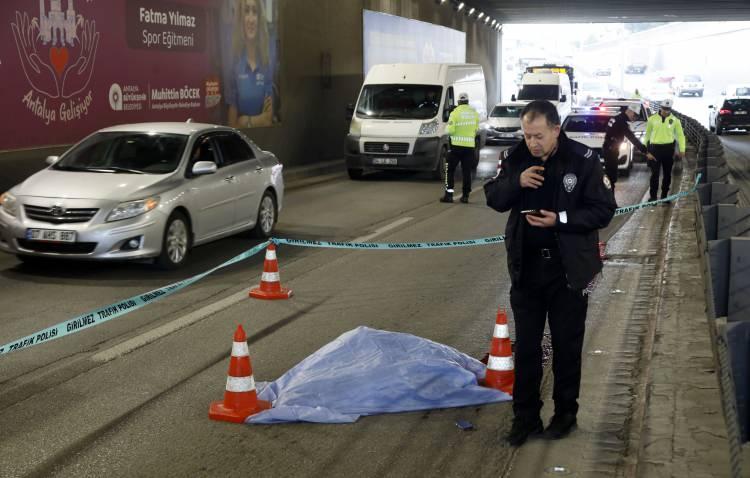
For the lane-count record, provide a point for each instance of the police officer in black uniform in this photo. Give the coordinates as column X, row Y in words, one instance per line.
column 617, row 130
column 558, row 199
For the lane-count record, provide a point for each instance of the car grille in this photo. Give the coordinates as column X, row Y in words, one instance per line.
column 56, row 215
column 505, row 130
column 58, row 247
column 378, row 147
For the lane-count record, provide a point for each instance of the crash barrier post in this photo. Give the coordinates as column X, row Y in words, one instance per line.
column 722, row 221
column 717, row 193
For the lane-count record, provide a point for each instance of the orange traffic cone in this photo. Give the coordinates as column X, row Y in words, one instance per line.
column 602, row 251
column 270, row 284
column 500, row 362
column 240, row 399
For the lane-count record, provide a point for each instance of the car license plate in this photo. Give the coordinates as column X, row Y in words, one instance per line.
column 389, row 161
column 50, row 235
column 507, row 135
column 740, row 112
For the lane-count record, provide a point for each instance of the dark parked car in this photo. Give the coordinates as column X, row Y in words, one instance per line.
column 732, row 113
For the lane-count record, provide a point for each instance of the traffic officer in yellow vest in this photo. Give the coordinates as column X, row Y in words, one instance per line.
column 662, row 130
column 463, row 125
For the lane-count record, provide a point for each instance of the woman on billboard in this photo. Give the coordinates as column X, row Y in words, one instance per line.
column 250, row 98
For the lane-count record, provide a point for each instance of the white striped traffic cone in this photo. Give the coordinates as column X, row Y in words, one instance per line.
column 270, row 282
column 240, row 398
column 500, row 374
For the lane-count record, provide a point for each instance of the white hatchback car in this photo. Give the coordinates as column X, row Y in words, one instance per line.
column 150, row 190
column 503, row 126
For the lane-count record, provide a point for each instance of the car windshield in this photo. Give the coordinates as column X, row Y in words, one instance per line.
column 506, row 112
column 539, row 92
column 586, row 124
column 125, row 152
column 399, row 101
column 737, row 104
column 692, row 78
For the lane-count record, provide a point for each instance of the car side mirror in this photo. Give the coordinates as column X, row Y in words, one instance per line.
column 512, row 97
column 51, row 159
column 563, row 99
column 349, row 111
column 711, row 107
column 202, row 168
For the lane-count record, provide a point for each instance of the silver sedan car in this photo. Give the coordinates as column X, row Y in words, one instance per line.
column 150, row 190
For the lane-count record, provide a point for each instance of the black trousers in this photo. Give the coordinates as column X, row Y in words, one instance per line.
column 544, row 293
column 465, row 156
column 610, row 165
column 664, row 154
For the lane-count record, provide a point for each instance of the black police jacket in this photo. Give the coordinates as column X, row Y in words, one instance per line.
column 584, row 203
column 617, row 129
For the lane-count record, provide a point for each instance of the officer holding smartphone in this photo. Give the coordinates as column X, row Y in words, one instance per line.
column 558, row 198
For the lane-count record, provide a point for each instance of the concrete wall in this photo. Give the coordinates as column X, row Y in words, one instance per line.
column 313, row 123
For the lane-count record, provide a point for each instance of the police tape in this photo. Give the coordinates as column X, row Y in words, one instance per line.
column 118, row 309
column 113, row 311
column 389, row 245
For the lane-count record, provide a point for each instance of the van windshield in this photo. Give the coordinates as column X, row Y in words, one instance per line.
column 399, row 101
column 539, row 92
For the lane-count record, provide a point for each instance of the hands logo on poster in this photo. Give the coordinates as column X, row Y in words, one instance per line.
column 57, row 52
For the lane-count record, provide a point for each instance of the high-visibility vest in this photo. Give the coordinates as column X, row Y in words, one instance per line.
column 463, row 124
column 664, row 131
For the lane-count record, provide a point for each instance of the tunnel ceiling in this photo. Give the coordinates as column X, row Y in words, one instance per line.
column 607, row 11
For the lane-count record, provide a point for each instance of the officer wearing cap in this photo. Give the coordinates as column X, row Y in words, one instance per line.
column 662, row 131
column 463, row 125
column 617, row 130
column 558, row 198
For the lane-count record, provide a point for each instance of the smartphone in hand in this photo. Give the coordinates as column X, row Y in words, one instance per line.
column 533, row 212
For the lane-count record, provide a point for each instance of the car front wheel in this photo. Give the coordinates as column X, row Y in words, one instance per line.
column 266, row 216
column 176, row 242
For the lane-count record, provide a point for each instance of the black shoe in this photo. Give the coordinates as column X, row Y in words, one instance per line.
column 522, row 429
column 447, row 198
column 465, row 198
column 560, row 426
column 651, row 198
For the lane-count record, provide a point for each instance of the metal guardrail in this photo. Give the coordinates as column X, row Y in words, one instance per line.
column 729, row 338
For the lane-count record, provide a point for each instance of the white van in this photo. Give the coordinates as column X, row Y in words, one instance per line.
column 400, row 117
column 551, row 86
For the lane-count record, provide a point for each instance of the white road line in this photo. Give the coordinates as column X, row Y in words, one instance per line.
column 166, row 329
column 383, row 229
column 193, row 317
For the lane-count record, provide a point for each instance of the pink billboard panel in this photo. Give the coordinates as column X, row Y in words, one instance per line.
column 71, row 67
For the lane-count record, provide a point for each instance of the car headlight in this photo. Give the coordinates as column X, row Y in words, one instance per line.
column 8, row 203
column 428, row 128
column 129, row 209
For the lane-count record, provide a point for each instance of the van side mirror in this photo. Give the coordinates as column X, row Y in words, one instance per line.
column 563, row 99
column 447, row 112
column 349, row 111
column 51, row 159
column 711, row 107
column 512, row 97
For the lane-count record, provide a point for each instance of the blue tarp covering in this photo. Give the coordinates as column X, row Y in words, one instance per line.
column 368, row 372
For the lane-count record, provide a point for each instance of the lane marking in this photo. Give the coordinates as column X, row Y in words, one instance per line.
column 168, row 328
column 382, row 230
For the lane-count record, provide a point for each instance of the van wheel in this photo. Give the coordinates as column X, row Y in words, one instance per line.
column 355, row 174
column 175, row 244
column 439, row 171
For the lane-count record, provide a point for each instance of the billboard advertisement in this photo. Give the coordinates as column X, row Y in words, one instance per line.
column 71, row 67
column 392, row 39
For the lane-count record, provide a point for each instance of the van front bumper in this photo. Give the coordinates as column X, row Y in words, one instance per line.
column 423, row 156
